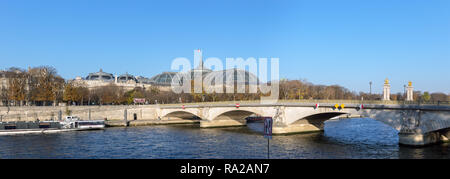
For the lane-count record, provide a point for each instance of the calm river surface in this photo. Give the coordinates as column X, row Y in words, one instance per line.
column 349, row 138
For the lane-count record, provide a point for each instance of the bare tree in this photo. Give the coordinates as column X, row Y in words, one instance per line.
column 438, row 97
column 45, row 85
column 16, row 85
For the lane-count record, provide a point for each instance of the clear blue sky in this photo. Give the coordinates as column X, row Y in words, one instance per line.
column 345, row 42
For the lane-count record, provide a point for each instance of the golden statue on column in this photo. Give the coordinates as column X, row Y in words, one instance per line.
column 409, row 92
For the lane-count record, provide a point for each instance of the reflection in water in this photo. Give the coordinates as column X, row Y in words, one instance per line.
column 349, row 138
column 441, row 151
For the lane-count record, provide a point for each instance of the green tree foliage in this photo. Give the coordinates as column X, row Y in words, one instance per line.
column 135, row 93
column 426, row 96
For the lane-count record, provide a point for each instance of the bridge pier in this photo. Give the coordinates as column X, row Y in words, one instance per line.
column 295, row 129
column 222, row 123
column 418, row 139
column 413, row 139
column 445, row 135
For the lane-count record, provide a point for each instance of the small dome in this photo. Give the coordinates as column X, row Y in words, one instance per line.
column 125, row 78
column 100, row 76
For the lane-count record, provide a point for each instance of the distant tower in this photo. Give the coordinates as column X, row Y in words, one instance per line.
column 198, row 57
column 198, row 72
column 409, row 92
column 386, row 90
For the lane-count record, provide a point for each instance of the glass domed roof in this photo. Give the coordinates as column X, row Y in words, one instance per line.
column 235, row 75
column 209, row 77
column 163, row 79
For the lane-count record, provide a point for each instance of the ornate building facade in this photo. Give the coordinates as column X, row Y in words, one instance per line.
column 101, row 79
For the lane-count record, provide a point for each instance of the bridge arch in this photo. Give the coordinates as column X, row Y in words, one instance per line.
column 317, row 119
column 237, row 114
column 185, row 115
column 228, row 117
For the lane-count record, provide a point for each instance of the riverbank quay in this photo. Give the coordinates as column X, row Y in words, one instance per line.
column 122, row 123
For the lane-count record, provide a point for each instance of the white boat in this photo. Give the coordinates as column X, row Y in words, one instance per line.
column 71, row 123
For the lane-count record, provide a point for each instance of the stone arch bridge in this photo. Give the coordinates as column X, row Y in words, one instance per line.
column 417, row 124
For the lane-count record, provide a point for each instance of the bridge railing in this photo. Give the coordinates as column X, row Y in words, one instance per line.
column 443, row 103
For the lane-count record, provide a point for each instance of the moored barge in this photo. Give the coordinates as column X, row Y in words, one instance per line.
column 42, row 127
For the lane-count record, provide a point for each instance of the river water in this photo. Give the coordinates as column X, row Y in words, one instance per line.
column 348, row 138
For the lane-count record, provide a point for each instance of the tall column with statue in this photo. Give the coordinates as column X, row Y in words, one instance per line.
column 409, row 92
column 386, row 90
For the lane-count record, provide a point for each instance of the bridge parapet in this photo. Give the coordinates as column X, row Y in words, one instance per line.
column 322, row 105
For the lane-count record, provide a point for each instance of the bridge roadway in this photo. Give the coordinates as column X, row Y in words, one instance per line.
column 417, row 124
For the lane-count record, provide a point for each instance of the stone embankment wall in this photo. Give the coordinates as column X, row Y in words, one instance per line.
column 32, row 113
